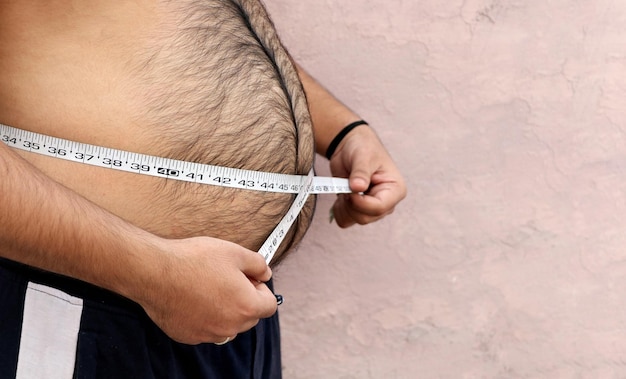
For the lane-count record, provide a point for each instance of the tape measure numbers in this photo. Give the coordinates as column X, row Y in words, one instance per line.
column 174, row 169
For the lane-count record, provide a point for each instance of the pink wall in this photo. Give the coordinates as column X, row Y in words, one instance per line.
column 508, row 259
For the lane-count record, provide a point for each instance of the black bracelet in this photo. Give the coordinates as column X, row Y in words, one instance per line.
column 339, row 137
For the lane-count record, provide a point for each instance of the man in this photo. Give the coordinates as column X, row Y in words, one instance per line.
column 111, row 274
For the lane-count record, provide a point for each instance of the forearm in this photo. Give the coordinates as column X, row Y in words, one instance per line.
column 328, row 114
column 48, row 226
column 358, row 155
column 177, row 282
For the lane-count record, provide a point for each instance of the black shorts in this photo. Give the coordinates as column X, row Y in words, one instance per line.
column 56, row 327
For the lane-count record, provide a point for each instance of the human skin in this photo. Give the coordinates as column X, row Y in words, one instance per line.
column 129, row 75
column 198, row 282
column 377, row 184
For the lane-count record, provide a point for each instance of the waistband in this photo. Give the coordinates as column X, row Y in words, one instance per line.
column 74, row 287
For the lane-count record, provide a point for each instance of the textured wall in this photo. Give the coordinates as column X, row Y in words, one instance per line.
column 507, row 260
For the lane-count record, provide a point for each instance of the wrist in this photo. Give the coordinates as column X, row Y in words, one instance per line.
column 139, row 267
column 334, row 143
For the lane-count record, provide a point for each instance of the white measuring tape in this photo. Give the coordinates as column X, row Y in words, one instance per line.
column 174, row 169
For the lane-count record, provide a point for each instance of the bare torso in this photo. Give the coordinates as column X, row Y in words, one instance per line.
column 162, row 78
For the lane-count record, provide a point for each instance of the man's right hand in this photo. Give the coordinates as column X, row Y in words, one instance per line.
column 197, row 290
column 206, row 290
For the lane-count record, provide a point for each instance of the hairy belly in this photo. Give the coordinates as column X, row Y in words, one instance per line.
column 154, row 80
column 170, row 208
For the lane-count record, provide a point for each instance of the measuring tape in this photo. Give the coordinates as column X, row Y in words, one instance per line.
column 302, row 185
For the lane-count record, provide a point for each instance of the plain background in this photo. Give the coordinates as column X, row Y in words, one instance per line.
column 507, row 259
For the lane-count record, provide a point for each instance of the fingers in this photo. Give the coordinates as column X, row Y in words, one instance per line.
column 362, row 171
column 262, row 302
column 347, row 212
column 246, row 309
column 242, row 311
column 374, row 178
column 215, row 291
column 267, row 304
column 376, row 183
column 254, row 266
column 369, row 207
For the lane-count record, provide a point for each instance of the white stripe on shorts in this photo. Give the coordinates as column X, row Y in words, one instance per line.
column 49, row 334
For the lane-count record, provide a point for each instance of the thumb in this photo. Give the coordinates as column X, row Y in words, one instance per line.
column 360, row 174
column 254, row 267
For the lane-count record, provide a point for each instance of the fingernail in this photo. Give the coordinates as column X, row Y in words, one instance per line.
column 360, row 181
column 331, row 216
